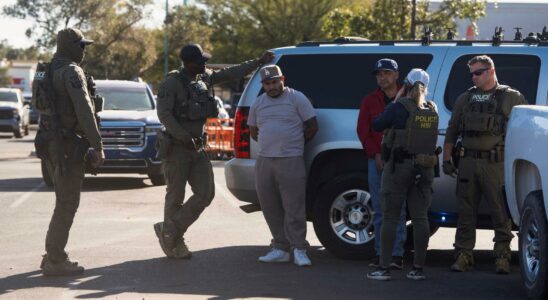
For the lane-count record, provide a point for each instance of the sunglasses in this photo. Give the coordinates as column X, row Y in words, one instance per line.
column 478, row 72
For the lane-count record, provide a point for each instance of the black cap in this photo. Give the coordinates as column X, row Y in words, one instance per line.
column 386, row 64
column 194, row 53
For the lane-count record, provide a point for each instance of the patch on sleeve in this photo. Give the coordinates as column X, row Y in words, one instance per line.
column 75, row 81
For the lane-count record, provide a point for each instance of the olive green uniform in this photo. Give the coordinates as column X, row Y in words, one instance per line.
column 408, row 175
column 481, row 167
column 183, row 162
column 76, row 113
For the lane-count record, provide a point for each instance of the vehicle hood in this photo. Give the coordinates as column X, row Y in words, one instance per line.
column 8, row 104
column 147, row 116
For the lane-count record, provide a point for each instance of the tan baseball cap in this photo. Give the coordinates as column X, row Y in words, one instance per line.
column 270, row 71
column 69, row 35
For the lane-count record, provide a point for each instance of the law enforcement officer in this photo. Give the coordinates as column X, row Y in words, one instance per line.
column 185, row 101
column 479, row 118
column 67, row 130
column 409, row 147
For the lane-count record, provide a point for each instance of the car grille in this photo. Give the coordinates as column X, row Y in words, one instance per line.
column 116, row 137
column 6, row 114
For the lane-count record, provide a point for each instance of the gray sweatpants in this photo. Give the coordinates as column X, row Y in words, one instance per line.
column 281, row 184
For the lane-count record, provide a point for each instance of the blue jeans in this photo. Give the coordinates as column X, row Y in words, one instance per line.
column 374, row 179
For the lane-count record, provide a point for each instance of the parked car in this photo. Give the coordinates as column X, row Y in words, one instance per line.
column 129, row 127
column 336, row 76
column 33, row 112
column 14, row 113
column 526, row 188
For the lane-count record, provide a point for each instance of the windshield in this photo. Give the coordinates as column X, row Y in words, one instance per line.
column 125, row 99
column 8, row 96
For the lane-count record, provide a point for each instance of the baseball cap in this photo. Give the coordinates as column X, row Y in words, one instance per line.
column 71, row 35
column 270, row 71
column 418, row 75
column 385, row 64
column 194, row 52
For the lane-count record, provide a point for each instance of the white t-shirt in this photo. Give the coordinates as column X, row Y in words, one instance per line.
column 280, row 122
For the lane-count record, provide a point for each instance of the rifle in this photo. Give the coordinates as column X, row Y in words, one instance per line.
column 98, row 102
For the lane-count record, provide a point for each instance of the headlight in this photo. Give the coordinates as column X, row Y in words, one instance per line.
column 153, row 129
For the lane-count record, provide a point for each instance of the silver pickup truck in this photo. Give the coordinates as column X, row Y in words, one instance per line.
column 526, row 189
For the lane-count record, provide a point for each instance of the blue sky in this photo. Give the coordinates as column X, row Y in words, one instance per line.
column 13, row 30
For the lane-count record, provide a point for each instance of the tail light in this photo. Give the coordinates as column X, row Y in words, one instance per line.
column 241, row 133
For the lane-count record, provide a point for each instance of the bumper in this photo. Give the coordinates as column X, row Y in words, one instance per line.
column 9, row 125
column 240, row 179
column 135, row 166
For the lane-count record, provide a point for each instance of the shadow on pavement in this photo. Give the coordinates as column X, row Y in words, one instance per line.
column 233, row 272
column 23, row 185
column 93, row 183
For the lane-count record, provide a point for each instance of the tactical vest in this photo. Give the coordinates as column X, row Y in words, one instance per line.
column 421, row 131
column 200, row 103
column 483, row 123
column 42, row 88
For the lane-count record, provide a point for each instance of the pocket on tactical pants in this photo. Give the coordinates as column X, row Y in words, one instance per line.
column 465, row 177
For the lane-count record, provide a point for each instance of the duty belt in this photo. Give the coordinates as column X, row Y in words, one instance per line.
column 477, row 154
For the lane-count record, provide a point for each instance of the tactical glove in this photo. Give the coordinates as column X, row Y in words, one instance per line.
column 449, row 168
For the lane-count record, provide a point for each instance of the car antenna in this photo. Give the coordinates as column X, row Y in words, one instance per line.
column 518, row 36
column 427, row 37
column 498, row 36
column 450, row 35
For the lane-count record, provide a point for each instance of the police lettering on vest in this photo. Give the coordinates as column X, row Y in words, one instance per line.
column 421, row 131
column 483, row 114
column 41, row 88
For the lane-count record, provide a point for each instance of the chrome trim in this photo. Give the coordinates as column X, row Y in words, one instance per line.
column 123, row 135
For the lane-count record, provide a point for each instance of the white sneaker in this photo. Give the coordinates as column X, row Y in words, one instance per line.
column 300, row 258
column 275, row 255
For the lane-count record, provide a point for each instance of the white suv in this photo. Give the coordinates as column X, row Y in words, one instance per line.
column 14, row 113
column 336, row 76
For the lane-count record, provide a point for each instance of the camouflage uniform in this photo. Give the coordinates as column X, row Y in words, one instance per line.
column 481, row 169
column 184, row 161
column 79, row 131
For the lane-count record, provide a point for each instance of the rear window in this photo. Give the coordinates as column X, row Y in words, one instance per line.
column 8, row 96
column 341, row 80
column 520, row 72
column 126, row 99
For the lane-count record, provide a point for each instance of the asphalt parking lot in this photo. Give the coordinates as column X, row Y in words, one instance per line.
column 112, row 237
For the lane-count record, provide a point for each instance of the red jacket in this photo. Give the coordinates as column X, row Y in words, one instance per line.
column 372, row 106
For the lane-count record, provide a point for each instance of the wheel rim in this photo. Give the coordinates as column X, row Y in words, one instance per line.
column 531, row 249
column 351, row 217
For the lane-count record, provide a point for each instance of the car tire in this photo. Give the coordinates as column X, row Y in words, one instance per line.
column 157, row 179
column 343, row 217
column 19, row 132
column 533, row 247
column 46, row 176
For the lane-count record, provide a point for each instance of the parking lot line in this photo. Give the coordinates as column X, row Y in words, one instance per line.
column 221, row 189
column 26, row 195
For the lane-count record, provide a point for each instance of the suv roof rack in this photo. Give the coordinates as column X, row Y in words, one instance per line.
column 539, row 39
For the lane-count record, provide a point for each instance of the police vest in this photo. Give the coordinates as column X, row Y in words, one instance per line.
column 421, row 131
column 42, row 88
column 482, row 115
column 200, row 103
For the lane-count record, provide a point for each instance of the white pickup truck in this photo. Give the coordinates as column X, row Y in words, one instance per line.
column 526, row 188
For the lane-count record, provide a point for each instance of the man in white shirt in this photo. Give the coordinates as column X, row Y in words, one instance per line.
column 282, row 120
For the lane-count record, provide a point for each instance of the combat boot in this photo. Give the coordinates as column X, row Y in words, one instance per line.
column 181, row 251
column 65, row 268
column 464, row 262
column 502, row 266
column 166, row 240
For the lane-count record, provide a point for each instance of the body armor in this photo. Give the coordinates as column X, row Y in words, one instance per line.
column 483, row 123
column 421, row 131
column 41, row 88
column 201, row 102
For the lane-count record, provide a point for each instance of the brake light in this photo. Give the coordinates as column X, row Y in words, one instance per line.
column 241, row 133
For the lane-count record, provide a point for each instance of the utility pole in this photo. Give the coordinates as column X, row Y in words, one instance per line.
column 166, row 42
